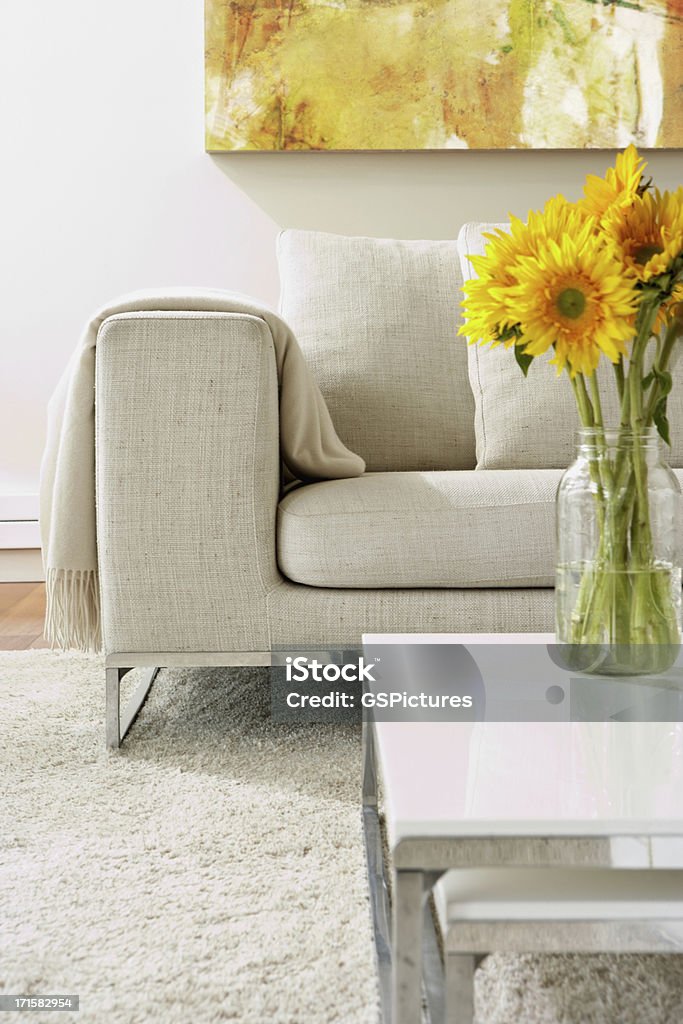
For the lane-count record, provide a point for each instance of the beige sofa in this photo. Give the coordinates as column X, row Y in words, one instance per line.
column 204, row 561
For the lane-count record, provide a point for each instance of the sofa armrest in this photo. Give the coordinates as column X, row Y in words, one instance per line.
column 187, row 477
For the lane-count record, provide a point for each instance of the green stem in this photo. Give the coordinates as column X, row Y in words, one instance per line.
column 672, row 334
column 620, row 378
column 605, row 469
column 641, row 539
column 596, row 402
column 624, row 594
column 583, row 401
column 631, row 405
column 587, row 416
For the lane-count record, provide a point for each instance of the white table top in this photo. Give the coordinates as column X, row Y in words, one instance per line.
column 532, row 779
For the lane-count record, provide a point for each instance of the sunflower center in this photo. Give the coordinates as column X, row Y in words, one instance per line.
column 571, row 302
column 644, row 253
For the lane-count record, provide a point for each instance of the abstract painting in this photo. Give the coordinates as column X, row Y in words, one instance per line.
column 443, row 74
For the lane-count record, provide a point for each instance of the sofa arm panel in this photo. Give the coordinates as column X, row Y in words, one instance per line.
column 187, row 471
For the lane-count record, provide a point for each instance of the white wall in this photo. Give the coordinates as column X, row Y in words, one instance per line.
column 106, row 188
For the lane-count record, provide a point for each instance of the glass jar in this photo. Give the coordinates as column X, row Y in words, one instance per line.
column 618, row 582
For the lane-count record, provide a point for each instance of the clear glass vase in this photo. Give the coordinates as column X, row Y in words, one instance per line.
column 618, row 584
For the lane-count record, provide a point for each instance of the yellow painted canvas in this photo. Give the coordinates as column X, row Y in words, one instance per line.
column 443, row 74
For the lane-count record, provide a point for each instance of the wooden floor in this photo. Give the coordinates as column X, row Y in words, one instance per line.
column 22, row 610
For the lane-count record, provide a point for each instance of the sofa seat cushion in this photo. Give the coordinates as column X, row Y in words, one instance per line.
column 464, row 528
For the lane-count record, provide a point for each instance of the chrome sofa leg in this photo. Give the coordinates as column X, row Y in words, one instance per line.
column 112, row 712
column 117, row 721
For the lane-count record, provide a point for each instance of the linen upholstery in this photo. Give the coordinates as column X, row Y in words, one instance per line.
column 309, row 445
column 377, row 321
column 186, row 506
column 532, row 423
column 186, row 502
column 442, row 529
column 187, row 530
column 310, row 616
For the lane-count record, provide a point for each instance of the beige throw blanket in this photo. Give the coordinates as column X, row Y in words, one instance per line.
column 309, row 444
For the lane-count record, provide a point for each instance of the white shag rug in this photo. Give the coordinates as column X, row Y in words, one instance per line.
column 213, row 869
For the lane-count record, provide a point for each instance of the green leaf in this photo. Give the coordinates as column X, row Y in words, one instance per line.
column 665, row 382
column 649, row 293
column 506, row 333
column 661, row 421
column 524, row 361
column 663, row 378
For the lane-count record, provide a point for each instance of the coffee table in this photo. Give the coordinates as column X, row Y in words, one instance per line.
column 502, row 794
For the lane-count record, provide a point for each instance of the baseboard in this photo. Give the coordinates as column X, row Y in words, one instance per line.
column 21, row 565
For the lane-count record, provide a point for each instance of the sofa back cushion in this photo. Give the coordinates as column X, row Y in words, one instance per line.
column 532, row 423
column 377, row 320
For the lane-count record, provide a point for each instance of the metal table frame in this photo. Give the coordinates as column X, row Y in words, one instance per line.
column 410, row 933
column 407, row 949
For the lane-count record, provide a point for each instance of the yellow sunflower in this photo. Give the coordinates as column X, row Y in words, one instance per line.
column 648, row 235
column 573, row 295
column 617, row 189
column 486, row 305
column 671, row 310
column 557, row 217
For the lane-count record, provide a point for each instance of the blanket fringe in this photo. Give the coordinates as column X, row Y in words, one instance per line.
column 72, row 619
